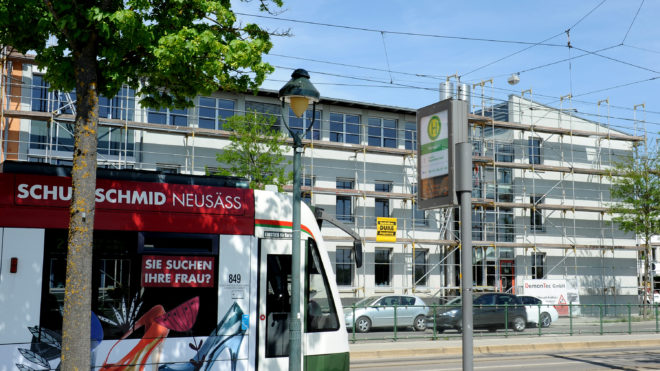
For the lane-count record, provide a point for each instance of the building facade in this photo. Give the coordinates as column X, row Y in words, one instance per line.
column 540, row 186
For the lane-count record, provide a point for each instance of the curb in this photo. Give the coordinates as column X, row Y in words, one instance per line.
column 388, row 351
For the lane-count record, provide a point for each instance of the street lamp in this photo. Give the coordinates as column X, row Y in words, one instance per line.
column 298, row 92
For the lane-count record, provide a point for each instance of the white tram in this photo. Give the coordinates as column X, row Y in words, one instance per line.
column 189, row 273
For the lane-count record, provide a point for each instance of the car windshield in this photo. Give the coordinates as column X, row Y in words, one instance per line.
column 366, row 301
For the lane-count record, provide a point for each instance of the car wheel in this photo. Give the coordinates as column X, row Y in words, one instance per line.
column 420, row 323
column 546, row 320
column 363, row 324
column 518, row 324
column 492, row 329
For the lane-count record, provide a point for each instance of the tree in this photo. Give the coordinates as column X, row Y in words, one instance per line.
column 256, row 151
column 168, row 51
column 636, row 189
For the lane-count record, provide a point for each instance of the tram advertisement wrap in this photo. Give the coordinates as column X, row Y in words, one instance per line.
column 127, row 195
column 177, row 271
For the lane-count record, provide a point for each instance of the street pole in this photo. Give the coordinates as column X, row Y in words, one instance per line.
column 464, row 189
column 295, row 338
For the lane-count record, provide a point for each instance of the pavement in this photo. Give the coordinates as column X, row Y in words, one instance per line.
column 498, row 345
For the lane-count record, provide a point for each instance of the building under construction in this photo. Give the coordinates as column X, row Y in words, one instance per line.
column 540, row 186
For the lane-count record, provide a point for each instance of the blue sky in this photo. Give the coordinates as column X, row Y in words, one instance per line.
column 404, row 70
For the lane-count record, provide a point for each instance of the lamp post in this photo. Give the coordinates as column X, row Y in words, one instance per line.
column 298, row 92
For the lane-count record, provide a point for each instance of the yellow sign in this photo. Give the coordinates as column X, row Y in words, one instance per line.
column 386, row 230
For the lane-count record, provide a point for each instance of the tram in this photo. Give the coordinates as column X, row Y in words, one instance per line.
column 189, row 273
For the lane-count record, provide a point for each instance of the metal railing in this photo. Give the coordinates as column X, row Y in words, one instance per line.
column 575, row 320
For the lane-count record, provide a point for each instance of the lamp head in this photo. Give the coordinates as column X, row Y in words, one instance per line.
column 299, row 92
column 513, row 79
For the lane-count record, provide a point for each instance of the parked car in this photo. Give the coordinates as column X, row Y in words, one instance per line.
column 548, row 313
column 490, row 311
column 379, row 311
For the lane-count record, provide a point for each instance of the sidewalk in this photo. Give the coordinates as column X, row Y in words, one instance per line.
column 512, row 344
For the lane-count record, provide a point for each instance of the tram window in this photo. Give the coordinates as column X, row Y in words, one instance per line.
column 321, row 314
column 118, row 297
column 171, row 243
column 278, row 304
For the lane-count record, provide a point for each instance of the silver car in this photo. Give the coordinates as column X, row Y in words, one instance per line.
column 380, row 311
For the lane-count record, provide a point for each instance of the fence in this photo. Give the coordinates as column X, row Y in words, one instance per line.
column 444, row 321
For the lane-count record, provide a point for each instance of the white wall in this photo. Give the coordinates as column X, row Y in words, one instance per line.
column 20, row 292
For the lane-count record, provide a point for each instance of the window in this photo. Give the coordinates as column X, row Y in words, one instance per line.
column 381, row 132
column 420, row 268
column 505, row 232
column 344, row 267
column 534, row 150
column 167, row 116
column 504, row 187
column 344, row 211
column 121, row 106
column 477, row 224
column 114, row 141
column 382, row 205
column 45, row 100
column 344, row 128
column 278, row 304
column 419, row 216
column 167, row 168
column 298, row 124
column 266, row 109
column 118, row 282
column 383, row 275
column 504, row 152
column 320, row 313
column 538, row 265
column 306, row 196
column 213, row 112
column 536, row 215
column 411, row 136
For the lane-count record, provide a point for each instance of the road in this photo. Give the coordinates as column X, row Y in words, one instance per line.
column 622, row 358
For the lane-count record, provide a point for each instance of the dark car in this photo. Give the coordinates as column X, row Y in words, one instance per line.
column 492, row 311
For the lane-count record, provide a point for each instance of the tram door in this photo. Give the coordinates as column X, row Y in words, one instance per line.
column 507, row 275
column 274, row 304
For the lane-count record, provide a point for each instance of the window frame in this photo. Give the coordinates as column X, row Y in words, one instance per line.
column 387, row 264
column 536, row 220
column 377, row 128
column 338, row 130
column 345, row 263
column 424, row 268
column 344, row 199
column 220, row 114
column 534, row 150
column 536, row 267
column 410, row 136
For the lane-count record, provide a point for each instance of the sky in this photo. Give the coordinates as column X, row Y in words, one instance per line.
column 396, row 53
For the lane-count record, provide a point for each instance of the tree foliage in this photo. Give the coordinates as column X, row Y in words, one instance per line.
column 636, row 191
column 167, row 50
column 255, row 152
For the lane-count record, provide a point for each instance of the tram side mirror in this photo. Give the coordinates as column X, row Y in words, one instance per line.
column 318, row 214
column 357, row 252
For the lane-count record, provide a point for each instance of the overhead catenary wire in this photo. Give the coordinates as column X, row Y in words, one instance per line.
column 633, row 22
column 466, row 38
column 536, row 44
column 435, row 89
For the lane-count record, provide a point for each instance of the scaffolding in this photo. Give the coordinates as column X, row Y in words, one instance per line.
column 564, row 186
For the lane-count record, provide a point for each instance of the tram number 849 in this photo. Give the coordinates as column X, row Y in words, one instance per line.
column 234, row 278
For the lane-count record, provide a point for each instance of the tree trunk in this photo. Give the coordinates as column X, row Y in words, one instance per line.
column 77, row 297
